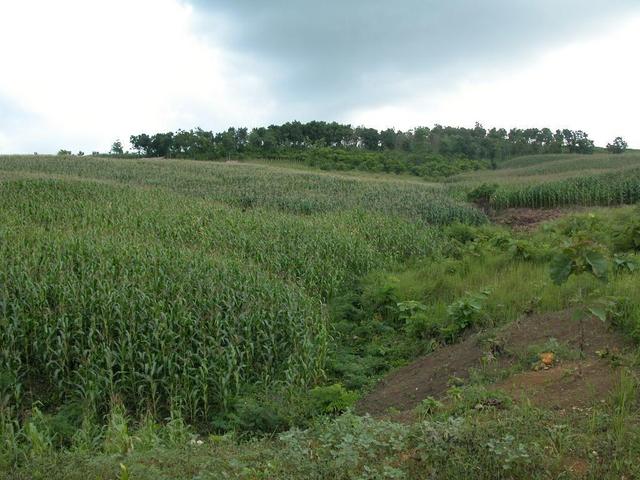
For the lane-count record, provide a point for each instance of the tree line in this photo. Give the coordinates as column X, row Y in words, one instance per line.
column 475, row 143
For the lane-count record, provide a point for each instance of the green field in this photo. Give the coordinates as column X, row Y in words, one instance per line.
column 175, row 318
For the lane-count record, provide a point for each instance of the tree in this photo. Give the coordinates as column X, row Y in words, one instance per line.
column 388, row 138
column 369, row 138
column 141, row 143
column 116, row 148
column 64, row 152
column 577, row 141
column 618, row 146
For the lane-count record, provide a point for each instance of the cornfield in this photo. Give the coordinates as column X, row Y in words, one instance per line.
column 252, row 186
column 607, row 189
column 180, row 296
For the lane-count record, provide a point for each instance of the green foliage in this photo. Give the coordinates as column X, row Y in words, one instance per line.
column 170, row 301
column 626, row 237
column 463, row 313
column 419, row 323
column 37, row 434
column 616, row 188
column 116, row 148
column 523, row 250
column 360, row 202
column 461, row 233
column 117, row 438
column 617, row 146
column 428, row 407
column 482, row 193
column 509, row 453
column 625, row 263
column 579, row 255
column 338, row 146
column 423, row 326
column 251, row 416
column 332, row 399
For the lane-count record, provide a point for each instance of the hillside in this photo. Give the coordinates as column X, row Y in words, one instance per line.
column 255, row 319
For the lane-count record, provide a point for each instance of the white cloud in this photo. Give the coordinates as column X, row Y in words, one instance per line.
column 87, row 72
column 80, row 73
column 590, row 85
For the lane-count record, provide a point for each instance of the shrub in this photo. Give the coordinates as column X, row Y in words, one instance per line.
column 627, row 237
column 462, row 314
column 331, row 399
column 462, row 233
column 252, row 416
column 483, row 193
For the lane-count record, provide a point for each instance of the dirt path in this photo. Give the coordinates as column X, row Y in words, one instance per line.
column 429, row 376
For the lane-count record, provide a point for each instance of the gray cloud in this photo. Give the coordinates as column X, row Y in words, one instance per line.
column 323, row 58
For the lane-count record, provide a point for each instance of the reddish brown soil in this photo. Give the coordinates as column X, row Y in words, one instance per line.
column 573, row 385
column 560, row 386
column 427, row 376
column 528, row 218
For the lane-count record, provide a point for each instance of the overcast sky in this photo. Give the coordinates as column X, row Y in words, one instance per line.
column 78, row 74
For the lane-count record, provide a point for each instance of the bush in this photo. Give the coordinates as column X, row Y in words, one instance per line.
column 462, row 314
column 482, row 193
column 252, row 416
column 627, row 237
column 418, row 322
column 462, row 233
column 332, row 399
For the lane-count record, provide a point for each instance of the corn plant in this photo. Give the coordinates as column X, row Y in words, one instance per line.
column 181, row 296
column 617, row 188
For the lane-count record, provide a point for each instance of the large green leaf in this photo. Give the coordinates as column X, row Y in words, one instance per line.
column 561, row 266
column 599, row 312
column 598, row 263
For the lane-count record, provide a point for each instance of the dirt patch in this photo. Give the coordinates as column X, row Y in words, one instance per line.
column 427, row 376
column 577, row 467
column 527, row 218
column 574, row 385
column 535, row 329
column 560, row 386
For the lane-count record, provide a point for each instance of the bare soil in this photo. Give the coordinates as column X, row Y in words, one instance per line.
column 575, row 385
column 528, row 218
column 561, row 386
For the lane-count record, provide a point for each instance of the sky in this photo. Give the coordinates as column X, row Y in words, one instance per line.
column 79, row 74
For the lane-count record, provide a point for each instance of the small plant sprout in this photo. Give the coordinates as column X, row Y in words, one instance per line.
column 582, row 257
